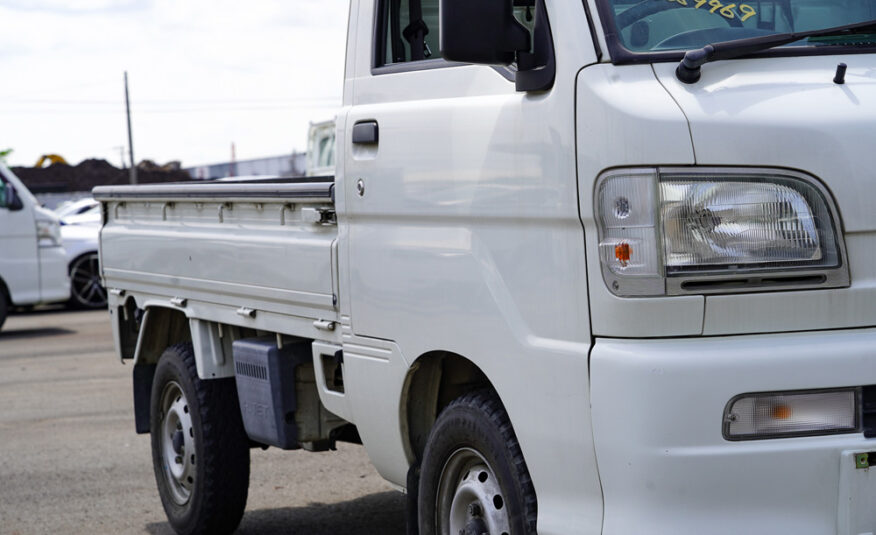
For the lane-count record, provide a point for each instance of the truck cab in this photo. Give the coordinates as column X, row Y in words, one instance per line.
column 33, row 266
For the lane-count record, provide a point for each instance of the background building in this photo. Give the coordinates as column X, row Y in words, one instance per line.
column 290, row 165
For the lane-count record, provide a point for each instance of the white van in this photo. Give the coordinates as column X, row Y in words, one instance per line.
column 33, row 266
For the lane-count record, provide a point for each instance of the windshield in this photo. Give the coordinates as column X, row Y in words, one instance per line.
column 651, row 26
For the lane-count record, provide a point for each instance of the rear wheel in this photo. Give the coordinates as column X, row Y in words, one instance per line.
column 200, row 451
column 474, row 479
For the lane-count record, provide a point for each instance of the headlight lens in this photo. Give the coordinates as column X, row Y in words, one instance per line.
column 48, row 233
column 663, row 231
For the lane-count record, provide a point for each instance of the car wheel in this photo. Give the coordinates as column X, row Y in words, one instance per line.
column 474, row 478
column 86, row 290
column 200, row 451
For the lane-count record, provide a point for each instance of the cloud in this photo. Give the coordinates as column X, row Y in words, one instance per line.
column 80, row 7
column 203, row 74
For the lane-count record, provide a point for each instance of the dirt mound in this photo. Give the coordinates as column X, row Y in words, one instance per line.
column 90, row 173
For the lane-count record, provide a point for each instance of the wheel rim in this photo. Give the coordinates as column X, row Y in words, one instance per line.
column 469, row 498
column 177, row 443
column 85, row 281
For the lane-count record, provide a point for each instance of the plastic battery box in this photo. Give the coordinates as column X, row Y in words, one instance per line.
column 266, row 388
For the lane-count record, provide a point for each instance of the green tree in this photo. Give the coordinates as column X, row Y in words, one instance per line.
column 4, row 154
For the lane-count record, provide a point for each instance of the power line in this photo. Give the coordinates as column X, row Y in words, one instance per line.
column 121, row 110
column 118, row 110
column 177, row 101
column 43, row 90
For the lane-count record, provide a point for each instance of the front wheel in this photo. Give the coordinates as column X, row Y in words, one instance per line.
column 474, row 479
column 85, row 287
column 200, row 451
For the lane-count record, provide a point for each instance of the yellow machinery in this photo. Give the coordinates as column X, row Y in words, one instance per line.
column 51, row 158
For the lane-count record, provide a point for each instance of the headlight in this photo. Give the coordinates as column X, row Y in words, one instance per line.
column 688, row 230
column 48, row 233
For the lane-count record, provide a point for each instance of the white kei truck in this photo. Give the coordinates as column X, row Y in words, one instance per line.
column 583, row 267
column 33, row 264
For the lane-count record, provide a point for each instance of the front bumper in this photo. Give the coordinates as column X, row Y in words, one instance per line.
column 665, row 467
column 54, row 281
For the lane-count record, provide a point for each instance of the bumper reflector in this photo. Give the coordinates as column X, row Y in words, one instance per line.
column 790, row 414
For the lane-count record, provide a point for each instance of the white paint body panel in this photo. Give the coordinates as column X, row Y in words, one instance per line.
column 664, row 465
column 468, row 240
column 625, row 118
column 245, row 258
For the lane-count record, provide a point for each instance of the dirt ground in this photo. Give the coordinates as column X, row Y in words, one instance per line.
column 70, row 461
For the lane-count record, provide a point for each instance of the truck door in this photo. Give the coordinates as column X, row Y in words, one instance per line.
column 460, row 190
column 460, row 212
column 19, row 258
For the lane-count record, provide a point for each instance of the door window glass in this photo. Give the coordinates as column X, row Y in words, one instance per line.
column 409, row 29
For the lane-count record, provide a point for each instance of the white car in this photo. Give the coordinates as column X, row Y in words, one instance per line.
column 79, row 233
column 85, row 210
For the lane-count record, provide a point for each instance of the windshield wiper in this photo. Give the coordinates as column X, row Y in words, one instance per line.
column 688, row 70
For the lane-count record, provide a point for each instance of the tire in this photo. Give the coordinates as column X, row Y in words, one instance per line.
column 86, row 290
column 200, row 451
column 473, row 476
column 4, row 308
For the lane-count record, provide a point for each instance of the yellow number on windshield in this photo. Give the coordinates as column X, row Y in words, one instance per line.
column 726, row 10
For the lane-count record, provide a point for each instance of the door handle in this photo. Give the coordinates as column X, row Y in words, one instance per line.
column 365, row 133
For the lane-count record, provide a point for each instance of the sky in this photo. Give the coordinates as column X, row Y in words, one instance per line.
column 202, row 74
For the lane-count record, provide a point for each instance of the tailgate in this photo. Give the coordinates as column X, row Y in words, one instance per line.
column 260, row 246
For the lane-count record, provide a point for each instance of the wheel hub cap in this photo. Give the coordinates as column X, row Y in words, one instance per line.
column 177, row 443
column 470, row 500
column 85, row 282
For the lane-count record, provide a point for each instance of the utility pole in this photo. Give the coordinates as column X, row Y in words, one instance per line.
column 130, row 137
column 233, row 167
column 121, row 154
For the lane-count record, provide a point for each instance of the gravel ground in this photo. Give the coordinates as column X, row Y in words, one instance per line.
column 70, row 461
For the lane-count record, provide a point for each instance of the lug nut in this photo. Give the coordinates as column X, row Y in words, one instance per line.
column 474, row 510
column 178, row 460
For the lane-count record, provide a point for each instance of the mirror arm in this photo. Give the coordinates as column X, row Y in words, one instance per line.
column 537, row 69
column 13, row 201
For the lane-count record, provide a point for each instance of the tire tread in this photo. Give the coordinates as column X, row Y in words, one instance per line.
column 483, row 403
column 225, row 469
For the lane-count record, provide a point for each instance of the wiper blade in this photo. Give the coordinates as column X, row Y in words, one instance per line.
column 688, row 70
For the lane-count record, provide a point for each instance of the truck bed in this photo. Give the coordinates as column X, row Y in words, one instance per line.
column 259, row 254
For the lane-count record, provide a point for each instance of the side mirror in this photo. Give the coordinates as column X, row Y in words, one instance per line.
column 481, row 31
column 9, row 198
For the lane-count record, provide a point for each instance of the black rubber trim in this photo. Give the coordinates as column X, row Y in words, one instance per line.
column 868, row 411
column 412, row 503
column 413, row 66
column 593, row 36
column 143, row 375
